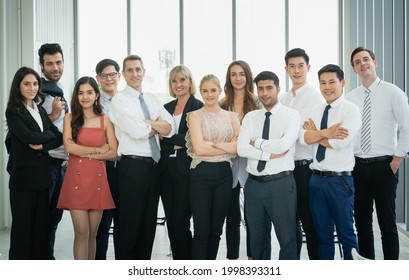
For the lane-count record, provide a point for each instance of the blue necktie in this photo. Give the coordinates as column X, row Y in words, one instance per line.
column 266, row 129
column 324, row 122
column 152, row 141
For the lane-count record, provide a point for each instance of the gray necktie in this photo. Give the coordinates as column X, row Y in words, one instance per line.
column 152, row 140
column 366, row 123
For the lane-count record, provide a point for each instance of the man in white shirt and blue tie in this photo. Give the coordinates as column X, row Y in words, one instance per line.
column 270, row 189
column 331, row 129
column 139, row 120
column 378, row 153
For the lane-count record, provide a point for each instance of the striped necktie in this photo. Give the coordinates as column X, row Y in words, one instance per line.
column 366, row 123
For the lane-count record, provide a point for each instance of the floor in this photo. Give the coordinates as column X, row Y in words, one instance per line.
column 64, row 241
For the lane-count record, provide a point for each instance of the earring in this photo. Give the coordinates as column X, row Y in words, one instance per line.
column 96, row 102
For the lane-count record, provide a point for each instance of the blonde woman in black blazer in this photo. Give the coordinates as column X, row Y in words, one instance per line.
column 175, row 163
column 31, row 135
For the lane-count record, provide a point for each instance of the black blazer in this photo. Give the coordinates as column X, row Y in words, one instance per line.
column 183, row 160
column 30, row 169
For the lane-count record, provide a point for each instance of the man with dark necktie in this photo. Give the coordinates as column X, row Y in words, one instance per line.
column 331, row 129
column 139, row 120
column 270, row 189
column 378, row 153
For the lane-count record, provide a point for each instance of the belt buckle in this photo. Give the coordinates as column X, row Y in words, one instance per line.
column 364, row 160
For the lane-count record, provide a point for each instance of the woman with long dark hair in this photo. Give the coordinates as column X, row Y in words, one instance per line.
column 30, row 135
column 89, row 140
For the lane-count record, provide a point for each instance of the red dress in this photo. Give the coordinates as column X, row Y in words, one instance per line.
column 85, row 185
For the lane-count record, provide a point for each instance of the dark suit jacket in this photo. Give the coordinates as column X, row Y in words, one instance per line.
column 183, row 160
column 30, row 169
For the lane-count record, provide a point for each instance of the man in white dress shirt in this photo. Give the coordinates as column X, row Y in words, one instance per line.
column 270, row 189
column 378, row 153
column 108, row 77
column 139, row 120
column 52, row 67
column 331, row 129
column 302, row 97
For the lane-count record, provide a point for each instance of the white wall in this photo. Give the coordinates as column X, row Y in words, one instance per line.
column 24, row 26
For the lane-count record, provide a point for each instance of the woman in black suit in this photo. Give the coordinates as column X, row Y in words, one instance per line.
column 175, row 163
column 31, row 135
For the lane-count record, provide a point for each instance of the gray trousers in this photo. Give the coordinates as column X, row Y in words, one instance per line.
column 274, row 202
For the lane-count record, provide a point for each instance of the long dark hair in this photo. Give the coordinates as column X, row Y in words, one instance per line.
column 250, row 102
column 77, row 112
column 16, row 98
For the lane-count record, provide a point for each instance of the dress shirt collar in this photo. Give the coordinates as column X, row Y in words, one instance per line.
column 301, row 90
column 132, row 90
column 336, row 102
column 274, row 111
column 373, row 86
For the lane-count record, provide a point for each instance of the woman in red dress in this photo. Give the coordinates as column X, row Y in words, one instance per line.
column 89, row 139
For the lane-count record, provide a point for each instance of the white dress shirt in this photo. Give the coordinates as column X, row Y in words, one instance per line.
column 130, row 129
column 34, row 112
column 284, row 129
column 59, row 123
column 389, row 114
column 341, row 156
column 305, row 98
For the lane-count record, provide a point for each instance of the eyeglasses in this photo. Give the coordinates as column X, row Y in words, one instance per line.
column 112, row 75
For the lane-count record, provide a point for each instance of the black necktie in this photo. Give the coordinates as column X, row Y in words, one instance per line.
column 324, row 122
column 266, row 128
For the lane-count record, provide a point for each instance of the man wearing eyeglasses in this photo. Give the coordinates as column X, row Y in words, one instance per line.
column 108, row 76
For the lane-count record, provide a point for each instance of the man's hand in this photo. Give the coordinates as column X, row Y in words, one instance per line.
column 309, row 125
column 57, row 106
column 37, row 147
column 278, row 155
column 336, row 131
column 395, row 164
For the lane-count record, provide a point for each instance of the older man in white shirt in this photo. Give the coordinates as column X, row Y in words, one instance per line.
column 139, row 120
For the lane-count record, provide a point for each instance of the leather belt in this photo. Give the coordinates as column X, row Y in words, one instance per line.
column 266, row 178
column 140, row 158
column 331, row 173
column 372, row 159
column 302, row 162
column 111, row 163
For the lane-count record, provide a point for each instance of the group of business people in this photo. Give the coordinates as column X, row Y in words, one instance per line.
column 303, row 159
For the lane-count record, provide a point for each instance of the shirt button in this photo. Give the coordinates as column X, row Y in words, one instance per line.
column 80, row 161
column 99, row 189
column 76, row 187
column 99, row 174
column 78, row 173
column 100, row 162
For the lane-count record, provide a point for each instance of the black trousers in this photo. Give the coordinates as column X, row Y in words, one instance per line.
column 233, row 221
column 55, row 215
column 210, row 190
column 138, row 208
column 375, row 182
column 302, row 174
column 30, row 225
column 108, row 216
column 174, row 191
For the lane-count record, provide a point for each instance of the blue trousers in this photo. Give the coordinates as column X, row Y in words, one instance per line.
column 332, row 204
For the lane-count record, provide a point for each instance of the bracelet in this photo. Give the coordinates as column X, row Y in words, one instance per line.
column 89, row 156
